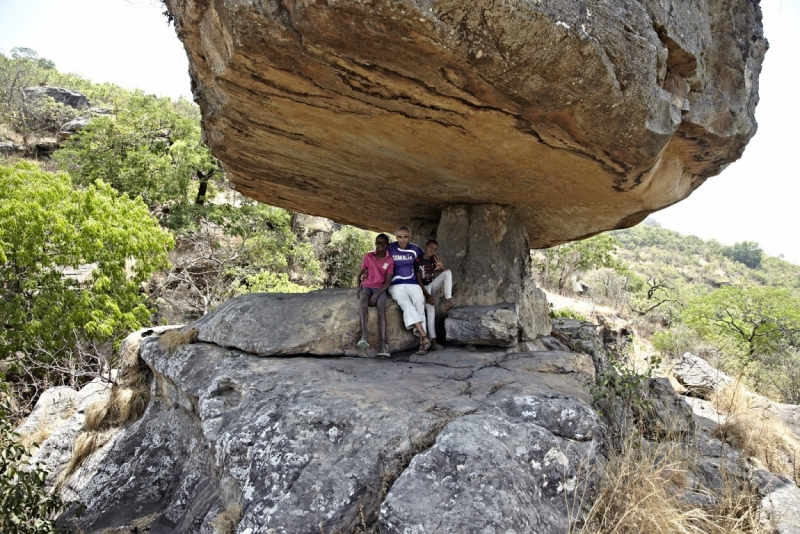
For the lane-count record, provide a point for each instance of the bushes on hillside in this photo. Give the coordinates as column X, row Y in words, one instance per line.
column 71, row 263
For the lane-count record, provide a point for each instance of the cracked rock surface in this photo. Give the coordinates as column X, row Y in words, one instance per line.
column 308, row 444
column 585, row 115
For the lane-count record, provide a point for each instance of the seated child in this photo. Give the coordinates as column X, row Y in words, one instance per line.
column 374, row 279
column 431, row 275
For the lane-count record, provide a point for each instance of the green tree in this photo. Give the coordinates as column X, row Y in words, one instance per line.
column 30, row 117
column 558, row 264
column 48, row 226
column 750, row 320
column 149, row 148
column 344, row 253
column 26, row 506
column 746, row 252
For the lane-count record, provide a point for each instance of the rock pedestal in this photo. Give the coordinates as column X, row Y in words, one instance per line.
column 486, row 248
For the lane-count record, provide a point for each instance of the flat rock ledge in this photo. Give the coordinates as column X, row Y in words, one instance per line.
column 322, row 323
column 458, row 440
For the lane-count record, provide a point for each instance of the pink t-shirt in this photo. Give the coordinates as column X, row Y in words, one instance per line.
column 377, row 269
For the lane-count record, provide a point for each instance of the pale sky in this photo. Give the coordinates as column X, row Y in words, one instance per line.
column 128, row 42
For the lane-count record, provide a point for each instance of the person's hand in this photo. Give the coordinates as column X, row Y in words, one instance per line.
column 373, row 300
column 439, row 265
column 358, row 292
column 364, row 275
column 429, row 300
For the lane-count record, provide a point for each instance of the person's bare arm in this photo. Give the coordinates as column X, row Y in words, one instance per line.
column 360, row 279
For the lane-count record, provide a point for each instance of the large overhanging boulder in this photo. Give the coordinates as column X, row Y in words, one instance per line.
column 584, row 115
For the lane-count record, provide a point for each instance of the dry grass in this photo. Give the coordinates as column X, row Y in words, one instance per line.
column 227, row 520
column 38, row 436
column 752, row 429
column 640, row 490
column 126, row 403
column 170, row 340
column 86, row 444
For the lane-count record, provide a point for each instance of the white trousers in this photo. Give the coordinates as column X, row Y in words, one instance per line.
column 445, row 278
column 411, row 300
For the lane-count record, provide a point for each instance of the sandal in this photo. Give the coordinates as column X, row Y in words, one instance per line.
column 363, row 344
column 424, row 345
column 385, row 352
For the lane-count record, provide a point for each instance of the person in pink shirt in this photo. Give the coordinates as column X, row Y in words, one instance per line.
column 379, row 268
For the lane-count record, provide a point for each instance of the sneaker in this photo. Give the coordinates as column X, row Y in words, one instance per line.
column 436, row 346
column 363, row 344
column 385, row 352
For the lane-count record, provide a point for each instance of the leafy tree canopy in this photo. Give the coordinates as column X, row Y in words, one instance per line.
column 746, row 252
column 558, row 264
column 751, row 320
column 46, row 226
column 149, row 148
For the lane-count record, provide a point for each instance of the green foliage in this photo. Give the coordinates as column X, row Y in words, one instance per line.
column 25, row 506
column 558, row 264
column 268, row 282
column 344, row 254
column 149, row 148
column 746, row 252
column 566, row 314
column 618, row 394
column 47, row 226
column 30, row 117
column 749, row 320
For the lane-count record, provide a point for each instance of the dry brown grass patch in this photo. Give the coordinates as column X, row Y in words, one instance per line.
column 640, row 490
column 170, row 340
column 227, row 520
column 86, row 444
column 750, row 427
column 38, row 436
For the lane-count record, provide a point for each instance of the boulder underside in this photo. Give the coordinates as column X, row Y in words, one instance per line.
column 584, row 115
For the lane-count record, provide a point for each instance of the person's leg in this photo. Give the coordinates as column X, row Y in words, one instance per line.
column 381, row 305
column 365, row 295
column 417, row 299
column 412, row 314
column 430, row 312
column 445, row 280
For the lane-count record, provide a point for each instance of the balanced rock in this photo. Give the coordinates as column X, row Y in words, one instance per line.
column 584, row 115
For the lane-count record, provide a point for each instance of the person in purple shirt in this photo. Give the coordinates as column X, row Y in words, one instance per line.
column 404, row 288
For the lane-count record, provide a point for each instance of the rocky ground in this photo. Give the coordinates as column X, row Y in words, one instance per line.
column 461, row 440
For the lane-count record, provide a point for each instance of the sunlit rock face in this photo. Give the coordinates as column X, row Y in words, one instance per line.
column 584, row 115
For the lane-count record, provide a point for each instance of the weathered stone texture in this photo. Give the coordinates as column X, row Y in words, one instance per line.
column 324, row 323
column 486, row 248
column 307, row 443
column 483, row 325
column 584, row 115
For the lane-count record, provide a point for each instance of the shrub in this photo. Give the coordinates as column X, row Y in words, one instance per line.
column 26, row 507
column 344, row 253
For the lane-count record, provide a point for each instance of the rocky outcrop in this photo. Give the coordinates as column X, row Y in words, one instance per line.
column 68, row 97
column 698, row 377
column 585, row 116
column 307, row 444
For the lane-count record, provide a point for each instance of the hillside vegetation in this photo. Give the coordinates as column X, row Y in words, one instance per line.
column 732, row 305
